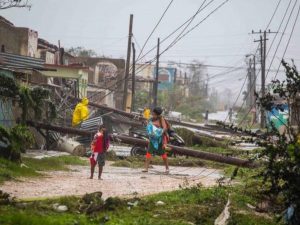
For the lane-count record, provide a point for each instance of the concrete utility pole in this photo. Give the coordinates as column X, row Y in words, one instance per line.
column 248, row 98
column 253, row 91
column 263, row 80
column 127, row 63
column 263, row 47
column 155, row 87
column 252, row 85
column 133, row 80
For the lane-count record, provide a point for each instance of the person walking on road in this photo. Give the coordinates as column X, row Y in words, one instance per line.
column 157, row 128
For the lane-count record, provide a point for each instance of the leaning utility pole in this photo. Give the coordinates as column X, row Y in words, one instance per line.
column 133, row 79
column 127, row 64
column 155, row 87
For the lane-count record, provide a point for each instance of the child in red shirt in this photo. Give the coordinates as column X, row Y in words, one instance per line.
column 99, row 146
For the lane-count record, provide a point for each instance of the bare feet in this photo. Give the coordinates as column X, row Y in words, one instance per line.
column 90, row 177
column 167, row 171
column 99, row 178
column 145, row 171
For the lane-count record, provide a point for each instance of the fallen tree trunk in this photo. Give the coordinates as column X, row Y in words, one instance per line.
column 71, row 146
column 135, row 141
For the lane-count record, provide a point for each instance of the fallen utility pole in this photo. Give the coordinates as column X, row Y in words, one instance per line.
column 135, row 141
column 188, row 152
column 173, row 122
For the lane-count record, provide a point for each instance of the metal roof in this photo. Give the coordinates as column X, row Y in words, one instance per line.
column 13, row 61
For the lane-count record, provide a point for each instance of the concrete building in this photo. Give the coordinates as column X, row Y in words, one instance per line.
column 105, row 79
column 17, row 40
column 47, row 51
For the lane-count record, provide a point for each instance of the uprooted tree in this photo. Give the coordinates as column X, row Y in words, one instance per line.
column 282, row 153
column 6, row 4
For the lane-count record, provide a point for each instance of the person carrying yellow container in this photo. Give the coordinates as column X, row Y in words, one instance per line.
column 147, row 113
column 81, row 112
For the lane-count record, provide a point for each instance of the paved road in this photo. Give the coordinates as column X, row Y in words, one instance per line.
column 117, row 181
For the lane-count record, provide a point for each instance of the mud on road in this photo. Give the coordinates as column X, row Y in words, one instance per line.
column 117, row 181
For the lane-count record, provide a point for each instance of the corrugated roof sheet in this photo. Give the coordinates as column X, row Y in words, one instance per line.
column 9, row 60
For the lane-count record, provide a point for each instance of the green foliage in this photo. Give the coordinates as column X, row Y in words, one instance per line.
column 15, row 141
column 195, row 205
column 81, row 52
column 141, row 99
column 282, row 170
column 192, row 106
column 8, row 87
column 21, row 138
column 31, row 100
column 54, row 163
column 36, row 100
column 191, row 139
column 12, row 170
column 138, row 162
column 52, row 111
column 246, row 218
column 38, row 95
column 26, row 217
column 187, row 135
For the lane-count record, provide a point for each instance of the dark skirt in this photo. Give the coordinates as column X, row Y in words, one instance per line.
column 101, row 159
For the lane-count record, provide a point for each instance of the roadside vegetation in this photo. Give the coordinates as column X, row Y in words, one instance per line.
column 186, row 206
column 31, row 167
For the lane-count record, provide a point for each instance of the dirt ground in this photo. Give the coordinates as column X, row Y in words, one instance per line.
column 117, row 181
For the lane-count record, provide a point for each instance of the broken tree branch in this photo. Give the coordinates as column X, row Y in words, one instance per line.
column 6, row 4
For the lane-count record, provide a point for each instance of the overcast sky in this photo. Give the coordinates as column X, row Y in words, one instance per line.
column 222, row 39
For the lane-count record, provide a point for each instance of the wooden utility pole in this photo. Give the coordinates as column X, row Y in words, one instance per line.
column 133, row 80
column 263, row 47
column 155, row 86
column 127, row 64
